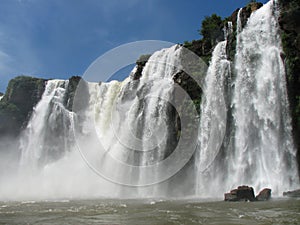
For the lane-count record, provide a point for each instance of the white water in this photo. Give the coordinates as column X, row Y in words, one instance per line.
column 124, row 125
column 264, row 154
column 212, row 121
column 48, row 133
column 1, row 97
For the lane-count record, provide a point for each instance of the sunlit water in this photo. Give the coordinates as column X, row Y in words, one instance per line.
column 276, row 211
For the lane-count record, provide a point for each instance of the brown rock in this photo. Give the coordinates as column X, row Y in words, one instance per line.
column 293, row 194
column 264, row 195
column 242, row 193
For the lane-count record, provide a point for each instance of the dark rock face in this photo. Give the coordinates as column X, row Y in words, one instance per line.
column 186, row 82
column 242, row 193
column 22, row 94
column 141, row 62
column 264, row 195
column 290, row 35
column 71, row 90
column 293, row 194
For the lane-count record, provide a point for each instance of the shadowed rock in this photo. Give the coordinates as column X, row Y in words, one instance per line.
column 264, row 195
column 242, row 193
column 293, row 194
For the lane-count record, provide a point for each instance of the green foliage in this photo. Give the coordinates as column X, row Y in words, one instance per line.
column 187, row 44
column 211, row 28
column 289, row 37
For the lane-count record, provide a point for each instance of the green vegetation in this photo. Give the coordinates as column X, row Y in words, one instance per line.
column 212, row 32
column 211, row 28
column 290, row 42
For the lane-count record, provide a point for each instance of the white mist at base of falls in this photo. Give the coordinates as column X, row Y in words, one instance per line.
column 129, row 119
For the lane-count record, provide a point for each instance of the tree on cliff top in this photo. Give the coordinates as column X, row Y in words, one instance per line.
column 210, row 29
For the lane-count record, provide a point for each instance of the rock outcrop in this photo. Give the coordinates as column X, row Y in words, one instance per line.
column 71, row 90
column 242, row 193
column 140, row 64
column 246, row 193
column 22, row 94
column 264, row 195
column 290, row 35
column 293, row 194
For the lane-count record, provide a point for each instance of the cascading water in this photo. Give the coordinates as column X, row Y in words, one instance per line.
column 48, row 134
column 126, row 129
column 264, row 154
column 213, row 119
column 131, row 122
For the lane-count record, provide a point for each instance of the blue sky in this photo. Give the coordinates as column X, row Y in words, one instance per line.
column 61, row 38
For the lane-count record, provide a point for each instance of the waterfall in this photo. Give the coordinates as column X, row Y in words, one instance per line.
column 123, row 132
column 122, row 137
column 254, row 143
column 48, row 134
column 239, row 24
column 132, row 122
column 213, row 119
column 264, row 154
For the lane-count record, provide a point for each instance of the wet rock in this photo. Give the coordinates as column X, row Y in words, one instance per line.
column 264, row 195
column 141, row 62
column 293, row 194
column 230, row 197
column 242, row 193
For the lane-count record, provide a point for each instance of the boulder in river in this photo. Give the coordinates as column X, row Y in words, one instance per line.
column 264, row 195
column 242, row 193
column 294, row 194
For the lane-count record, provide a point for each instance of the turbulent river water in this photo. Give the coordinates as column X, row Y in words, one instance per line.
column 149, row 211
